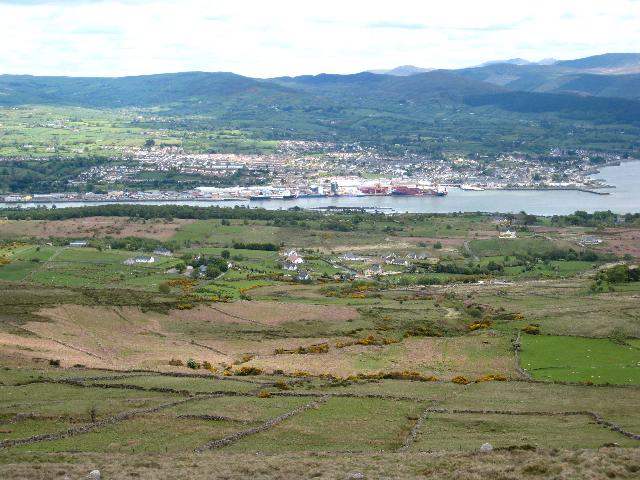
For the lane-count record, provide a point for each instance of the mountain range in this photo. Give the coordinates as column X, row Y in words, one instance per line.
column 603, row 89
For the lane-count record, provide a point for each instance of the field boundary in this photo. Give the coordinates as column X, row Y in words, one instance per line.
column 596, row 417
column 235, row 437
column 118, row 418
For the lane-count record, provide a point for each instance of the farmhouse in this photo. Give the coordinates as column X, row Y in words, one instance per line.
column 374, row 269
column 144, row 259
column 589, row 240
column 292, row 267
column 508, row 234
column 350, row 257
column 304, row 276
column 295, row 259
column 162, row 252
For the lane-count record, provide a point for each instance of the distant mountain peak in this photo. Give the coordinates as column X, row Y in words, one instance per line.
column 402, row 71
column 511, row 61
column 608, row 62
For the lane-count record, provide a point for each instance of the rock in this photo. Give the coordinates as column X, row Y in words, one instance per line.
column 94, row 475
column 356, row 476
column 486, row 448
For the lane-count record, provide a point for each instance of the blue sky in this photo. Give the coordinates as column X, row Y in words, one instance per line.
column 282, row 37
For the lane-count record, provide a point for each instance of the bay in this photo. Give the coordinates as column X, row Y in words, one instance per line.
column 624, row 198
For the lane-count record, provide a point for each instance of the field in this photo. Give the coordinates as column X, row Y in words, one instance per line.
column 130, row 368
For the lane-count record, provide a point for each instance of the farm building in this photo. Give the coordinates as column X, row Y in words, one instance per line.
column 508, row 234
column 374, row 269
column 144, row 259
column 304, row 276
column 292, row 267
column 78, row 243
column 589, row 240
column 295, row 259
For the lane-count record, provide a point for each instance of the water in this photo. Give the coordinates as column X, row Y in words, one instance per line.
column 625, row 198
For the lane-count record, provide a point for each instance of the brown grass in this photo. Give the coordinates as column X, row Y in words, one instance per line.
column 111, row 337
column 506, row 465
column 93, row 227
column 267, row 313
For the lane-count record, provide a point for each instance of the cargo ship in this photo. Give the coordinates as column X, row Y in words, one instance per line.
column 417, row 191
column 259, row 197
column 374, row 190
column 277, row 195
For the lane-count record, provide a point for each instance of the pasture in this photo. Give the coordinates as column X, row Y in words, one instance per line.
column 108, row 363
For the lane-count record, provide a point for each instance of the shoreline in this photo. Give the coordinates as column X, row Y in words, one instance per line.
column 247, row 200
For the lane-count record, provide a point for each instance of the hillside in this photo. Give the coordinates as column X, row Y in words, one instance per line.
column 486, row 109
column 610, row 75
column 146, row 90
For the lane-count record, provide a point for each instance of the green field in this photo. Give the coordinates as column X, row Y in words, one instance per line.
column 129, row 367
column 581, row 360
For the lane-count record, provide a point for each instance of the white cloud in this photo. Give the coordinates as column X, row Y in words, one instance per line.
column 285, row 37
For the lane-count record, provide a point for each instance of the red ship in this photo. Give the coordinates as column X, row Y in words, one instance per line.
column 417, row 191
column 375, row 190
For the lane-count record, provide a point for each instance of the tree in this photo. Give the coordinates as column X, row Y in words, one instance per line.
column 225, row 254
column 150, row 142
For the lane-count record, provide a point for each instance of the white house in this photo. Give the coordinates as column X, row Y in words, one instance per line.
column 508, row 234
column 144, row 259
column 162, row 252
column 292, row 267
column 295, row 259
column 589, row 240
column 78, row 243
column 304, row 276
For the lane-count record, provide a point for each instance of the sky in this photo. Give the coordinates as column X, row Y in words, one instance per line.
column 267, row 38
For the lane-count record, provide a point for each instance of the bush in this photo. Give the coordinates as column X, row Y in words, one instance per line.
column 54, row 363
column 248, row 370
column 191, row 363
column 317, row 348
column 175, row 362
column 280, row 385
column 164, row 288
column 531, row 329
column 207, row 366
column 461, row 380
column 264, row 394
column 492, row 378
column 479, row 325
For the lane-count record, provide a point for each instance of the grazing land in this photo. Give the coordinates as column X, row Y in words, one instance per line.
column 298, row 344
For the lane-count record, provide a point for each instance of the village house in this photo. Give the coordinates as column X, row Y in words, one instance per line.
column 507, row 234
column 375, row 269
column 292, row 267
column 295, row 259
column 589, row 240
column 350, row 257
column 162, row 252
column 304, row 276
column 144, row 259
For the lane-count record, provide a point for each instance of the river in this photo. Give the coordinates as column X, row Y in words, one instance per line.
column 624, row 198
